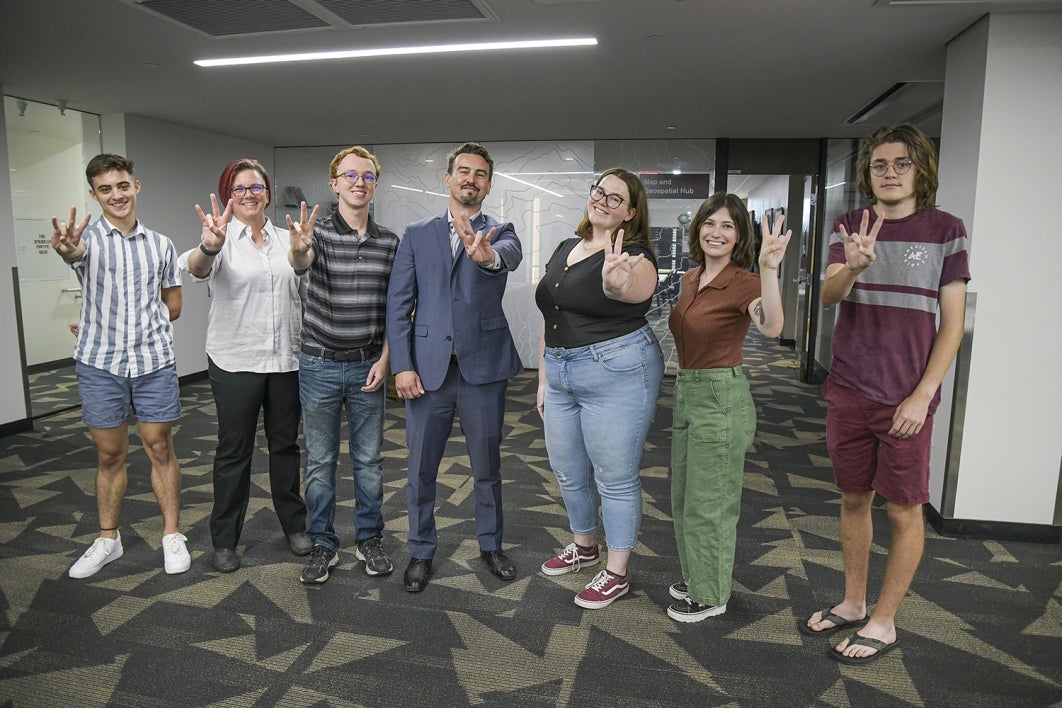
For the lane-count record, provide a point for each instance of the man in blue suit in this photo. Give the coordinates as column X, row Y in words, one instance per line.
column 451, row 350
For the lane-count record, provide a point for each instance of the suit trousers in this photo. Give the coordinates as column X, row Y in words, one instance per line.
column 238, row 397
column 429, row 421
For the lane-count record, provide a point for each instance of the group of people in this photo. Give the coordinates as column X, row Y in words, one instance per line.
column 304, row 324
column 309, row 320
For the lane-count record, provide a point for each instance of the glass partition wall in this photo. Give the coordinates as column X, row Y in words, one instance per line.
column 48, row 149
column 842, row 195
column 541, row 187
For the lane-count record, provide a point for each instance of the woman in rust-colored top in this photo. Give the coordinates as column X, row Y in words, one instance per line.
column 715, row 418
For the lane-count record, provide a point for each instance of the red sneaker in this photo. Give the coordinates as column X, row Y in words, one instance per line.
column 571, row 559
column 602, row 590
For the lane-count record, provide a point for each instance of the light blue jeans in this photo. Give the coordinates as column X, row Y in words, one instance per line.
column 325, row 389
column 600, row 400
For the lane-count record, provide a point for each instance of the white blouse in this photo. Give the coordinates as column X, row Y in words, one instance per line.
column 256, row 299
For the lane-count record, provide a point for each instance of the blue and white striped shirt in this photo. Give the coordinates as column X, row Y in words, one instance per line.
column 124, row 326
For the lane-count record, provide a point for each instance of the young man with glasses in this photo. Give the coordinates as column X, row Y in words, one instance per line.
column 892, row 268
column 131, row 292
column 452, row 351
column 344, row 359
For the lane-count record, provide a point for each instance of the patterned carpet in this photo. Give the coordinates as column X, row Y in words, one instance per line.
column 53, row 390
column 982, row 625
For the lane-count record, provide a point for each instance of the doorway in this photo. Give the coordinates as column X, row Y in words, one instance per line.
column 48, row 147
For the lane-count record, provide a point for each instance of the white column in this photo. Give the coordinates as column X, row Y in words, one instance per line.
column 1001, row 164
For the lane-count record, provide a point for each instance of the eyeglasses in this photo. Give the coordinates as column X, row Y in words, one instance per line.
column 612, row 200
column 254, row 189
column 901, row 165
column 352, row 177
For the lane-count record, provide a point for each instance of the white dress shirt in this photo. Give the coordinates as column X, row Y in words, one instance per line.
column 255, row 315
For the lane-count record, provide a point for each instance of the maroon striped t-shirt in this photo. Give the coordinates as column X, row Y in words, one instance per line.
column 887, row 324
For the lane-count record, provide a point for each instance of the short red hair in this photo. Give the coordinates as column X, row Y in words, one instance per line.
column 228, row 176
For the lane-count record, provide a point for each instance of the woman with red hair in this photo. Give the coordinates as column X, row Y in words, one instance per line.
column 252, row 346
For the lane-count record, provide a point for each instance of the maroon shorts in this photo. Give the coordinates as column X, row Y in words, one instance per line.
column 865, row 457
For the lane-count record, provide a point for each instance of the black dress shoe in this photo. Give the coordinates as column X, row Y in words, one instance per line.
column 499, row 564
column 226, row 560
column 300, row 544
column 417, row 573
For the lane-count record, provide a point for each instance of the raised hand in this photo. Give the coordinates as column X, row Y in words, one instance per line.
column 214, row 225
column 302, row 230
column 477, row 244
column 66, row 238
column 617, row 271
column 859, row 247
column 772, row 250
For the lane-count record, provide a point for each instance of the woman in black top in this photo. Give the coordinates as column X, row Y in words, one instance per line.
column 599, row 378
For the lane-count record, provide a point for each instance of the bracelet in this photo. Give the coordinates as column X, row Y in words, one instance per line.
column 206, row 251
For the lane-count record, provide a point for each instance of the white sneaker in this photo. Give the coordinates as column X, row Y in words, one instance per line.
column 100, row 553
column 176, row 553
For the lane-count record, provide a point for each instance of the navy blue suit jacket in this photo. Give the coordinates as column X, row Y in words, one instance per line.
column 438, row 305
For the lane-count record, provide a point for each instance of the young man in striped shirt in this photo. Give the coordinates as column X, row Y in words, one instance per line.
column 131, row 292
column 344, row 359
column 892, row 267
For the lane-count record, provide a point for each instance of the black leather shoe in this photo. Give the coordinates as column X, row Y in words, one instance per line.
column 226, row 560
column 499, row 564
column 300, row 544
column 417, row 573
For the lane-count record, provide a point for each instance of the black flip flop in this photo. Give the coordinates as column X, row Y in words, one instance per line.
column 862, row 641
column 828, row 615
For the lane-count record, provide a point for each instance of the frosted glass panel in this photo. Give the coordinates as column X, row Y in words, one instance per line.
column 541, row 187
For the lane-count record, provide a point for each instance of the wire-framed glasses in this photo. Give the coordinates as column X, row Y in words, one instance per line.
column 902, row 166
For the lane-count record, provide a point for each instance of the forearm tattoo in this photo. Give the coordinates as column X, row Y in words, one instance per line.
column 758, row 309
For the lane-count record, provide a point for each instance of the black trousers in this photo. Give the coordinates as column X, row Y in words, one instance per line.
column 238, row 397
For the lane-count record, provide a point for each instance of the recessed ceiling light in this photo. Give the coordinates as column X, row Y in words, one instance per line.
column 399, row 51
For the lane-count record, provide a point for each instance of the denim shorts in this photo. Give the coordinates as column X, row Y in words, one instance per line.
column 106, row 398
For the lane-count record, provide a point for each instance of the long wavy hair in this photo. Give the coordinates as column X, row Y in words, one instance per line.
column 922, row 153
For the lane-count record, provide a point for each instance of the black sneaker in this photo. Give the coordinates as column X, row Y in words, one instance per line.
column 321, row 559
column 692, row 611
column 376, row 561
column 680, row 590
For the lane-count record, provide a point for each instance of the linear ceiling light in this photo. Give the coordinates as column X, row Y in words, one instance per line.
column 399, row 51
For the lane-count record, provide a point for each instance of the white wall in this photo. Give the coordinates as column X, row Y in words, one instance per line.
column 13, row 393
column 1007, row 196
column 178, row 167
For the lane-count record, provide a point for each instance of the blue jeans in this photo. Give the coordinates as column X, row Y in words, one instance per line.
column 324, row 388
column 600, row 400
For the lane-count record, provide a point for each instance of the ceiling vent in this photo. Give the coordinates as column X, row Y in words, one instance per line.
column 252, row 17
